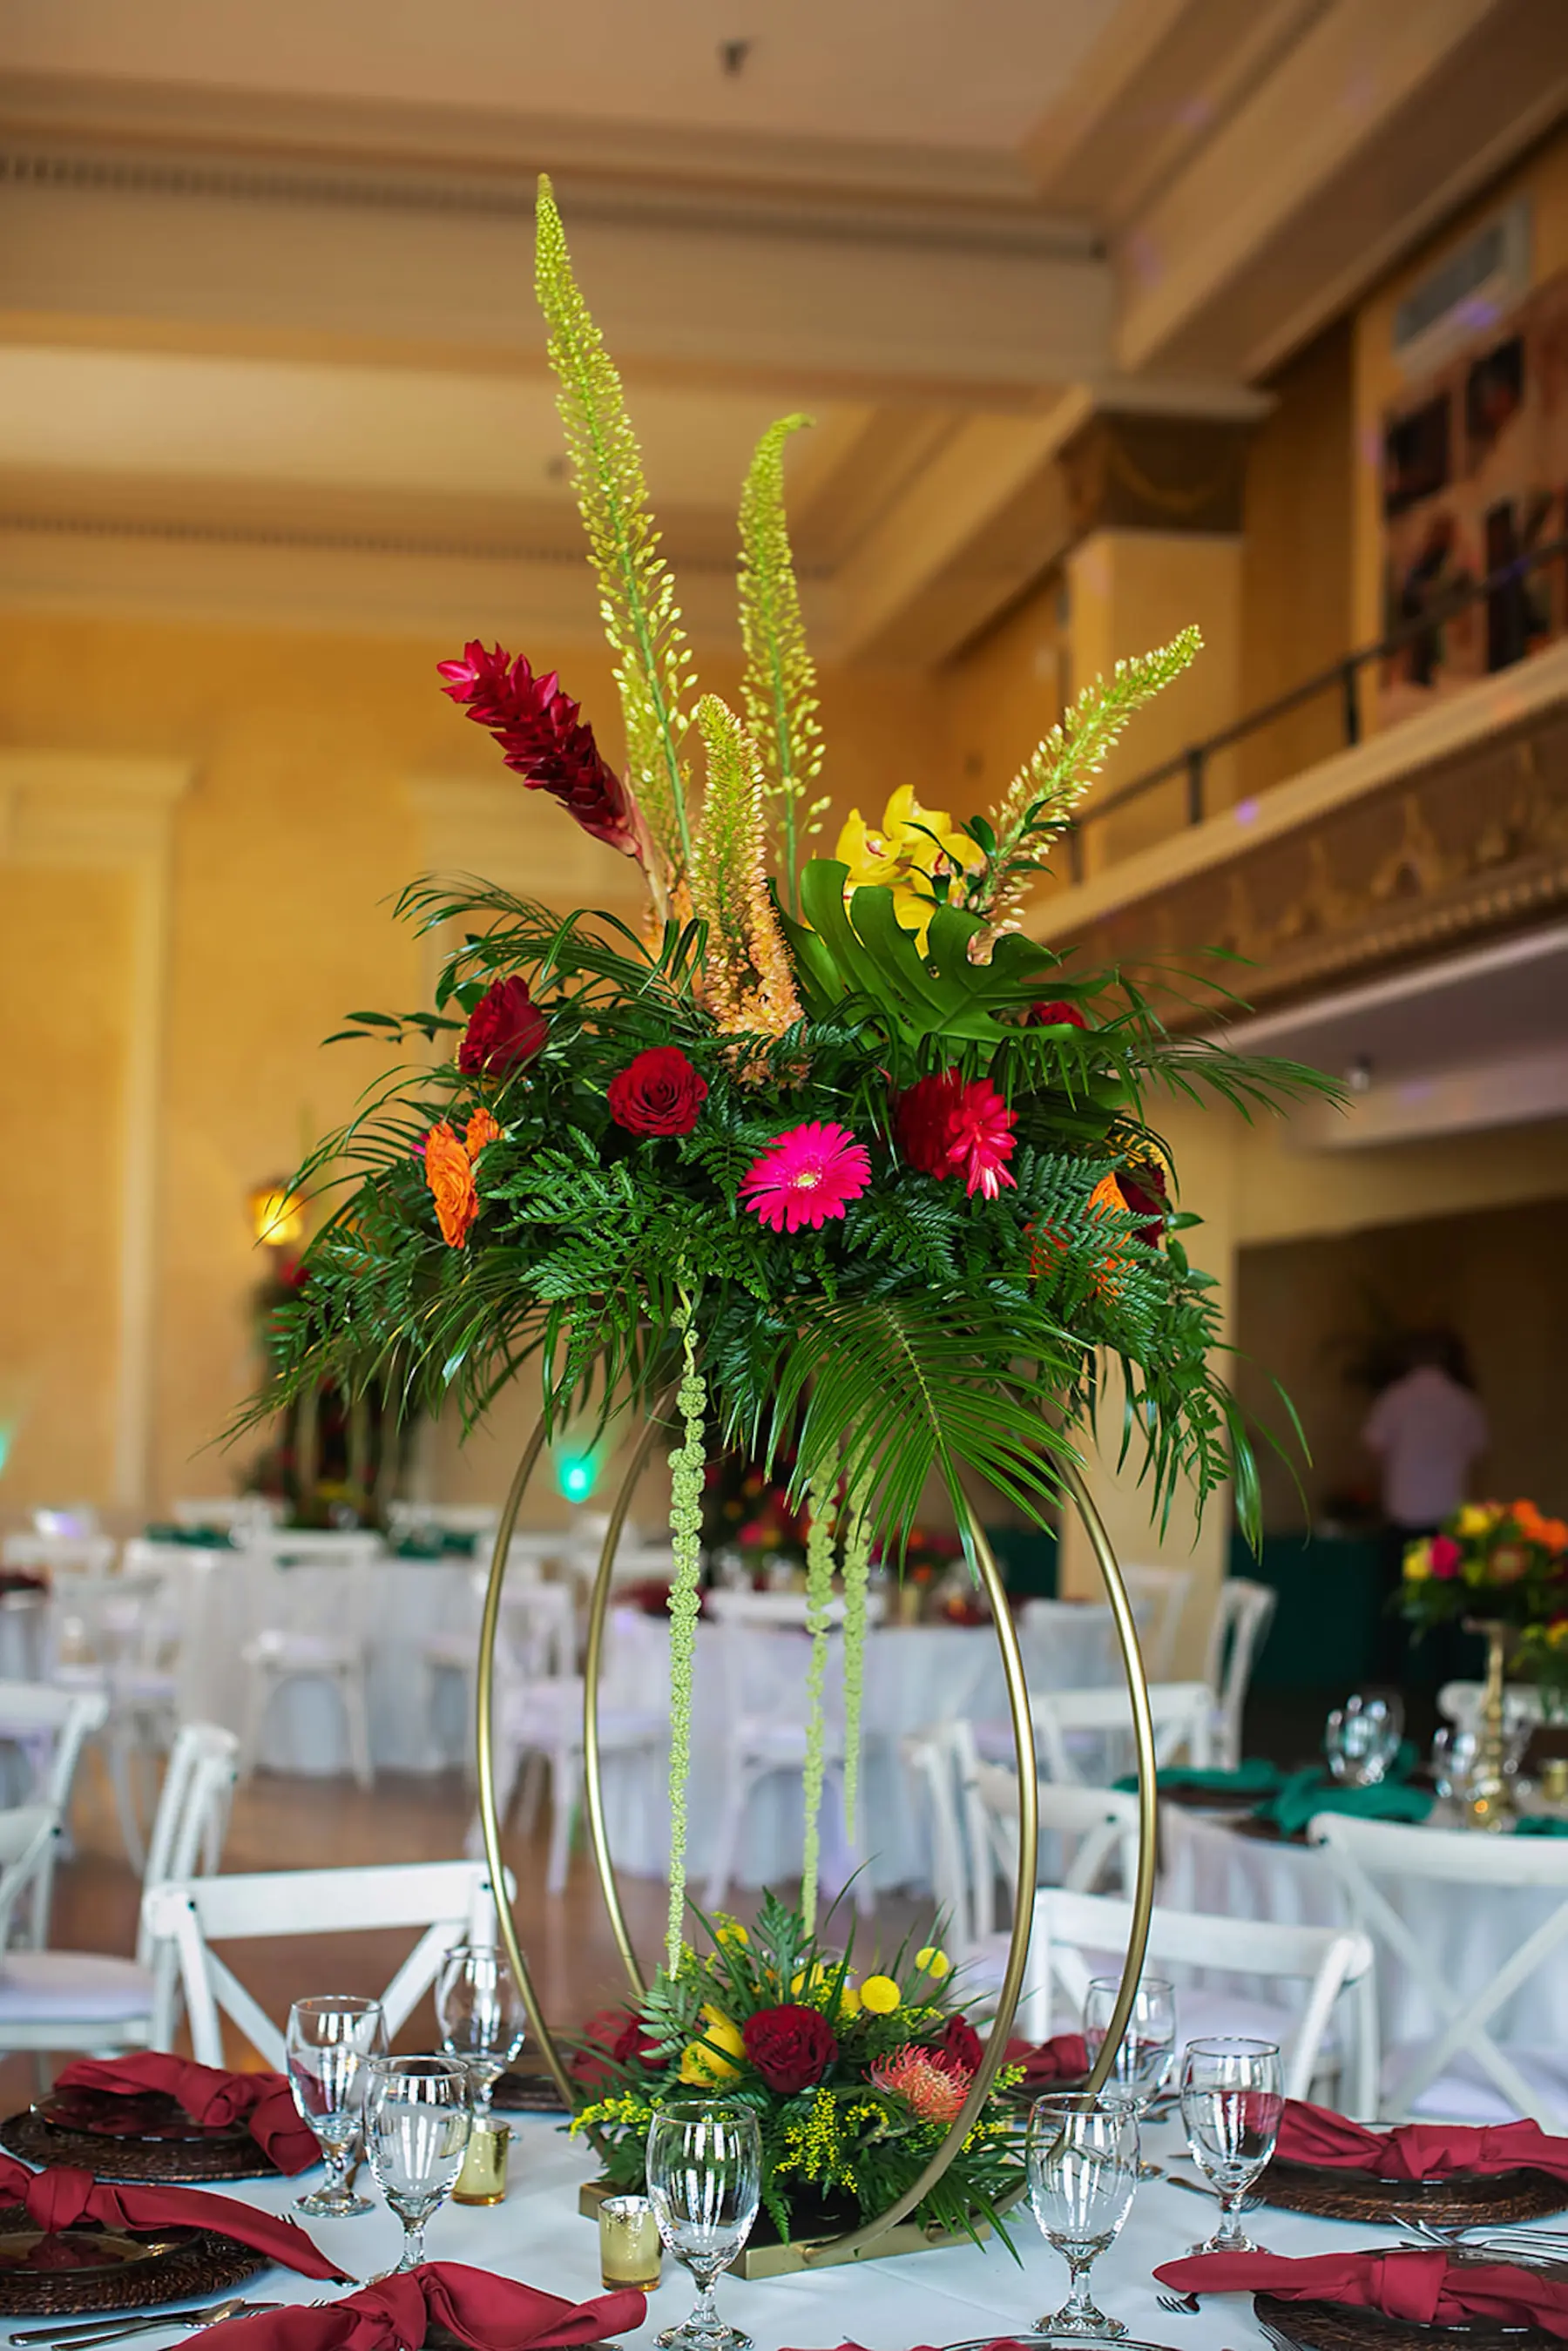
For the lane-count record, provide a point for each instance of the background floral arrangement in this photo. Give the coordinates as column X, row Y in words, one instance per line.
column 1502, row 1560
column 853, row 2083
column 829, row 1152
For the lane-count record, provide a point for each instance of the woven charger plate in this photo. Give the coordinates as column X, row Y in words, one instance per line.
column 1462, row 2198
column 88, row 2269
column 196, row 2160
column 1336, row 2327
column 528, row 2093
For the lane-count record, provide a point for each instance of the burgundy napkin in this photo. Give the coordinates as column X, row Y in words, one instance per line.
column 60, row 2197
column 490, row 2313
column 1425, row 2287
column 1416, row 2150
column 263, row 2102
column 1064, row 2058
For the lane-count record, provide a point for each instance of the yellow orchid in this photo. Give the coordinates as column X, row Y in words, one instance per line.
column 913, row 844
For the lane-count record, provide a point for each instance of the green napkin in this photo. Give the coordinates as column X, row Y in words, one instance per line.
column 1307, row 1794
column 1540, row 1825
column 194, row 1537
column 437, row 1543
column 1255, row 1777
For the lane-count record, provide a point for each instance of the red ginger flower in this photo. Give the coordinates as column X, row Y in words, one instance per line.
column 1054, row 1014
column 544, row 740
column 806, row 1177
column 949, row 1125
column 506, row 1030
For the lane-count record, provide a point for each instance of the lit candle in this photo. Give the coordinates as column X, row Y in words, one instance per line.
column 628, row 2247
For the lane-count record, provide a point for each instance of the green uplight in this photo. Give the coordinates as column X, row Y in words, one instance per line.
column 575, row 1475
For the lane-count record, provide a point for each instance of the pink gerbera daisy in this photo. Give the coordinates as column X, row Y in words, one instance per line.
column 806, row 1177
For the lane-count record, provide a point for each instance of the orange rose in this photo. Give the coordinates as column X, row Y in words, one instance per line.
column 449, row 1172
column 482, row 1129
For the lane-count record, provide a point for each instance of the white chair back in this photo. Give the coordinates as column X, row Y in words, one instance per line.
column 930, row 1756
column 1163, row 1591
column 312, row 1586
column 1369, row 1858
column 535, row 1634
column 783, row 1610
column 1084, row 1734
column 28, row 1837
column 192, row 1816
column 1242, row 1615
column 1326, row 1960
column 1092, row 1826
column 1460, row 1704
column 450, row 1899
column 88, row 1553
column 1069, row 1644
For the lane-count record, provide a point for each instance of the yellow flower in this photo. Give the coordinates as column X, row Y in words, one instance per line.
column 849, row 2000
column 879, row 1994
column 1417, row 1563
column 933, row 1962
column 704, row 2063
column 1474, row 1519
column 913, row 845
column 730, row 1930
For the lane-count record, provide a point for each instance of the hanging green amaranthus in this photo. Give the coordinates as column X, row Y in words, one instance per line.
column 819, row 1604
column 686, row 1466
column 857, row 1576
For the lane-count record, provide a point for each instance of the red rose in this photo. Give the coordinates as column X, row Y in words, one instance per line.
column 790, row 2047
column 1053, row 1014
column 960, row 2048
column 506, row 1030
column 614, row 2033
column 1143, row 1190
column 635, row 2044
column 657, row 1093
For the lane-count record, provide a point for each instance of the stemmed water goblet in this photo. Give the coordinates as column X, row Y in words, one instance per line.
column 479, row 2007
column 417, row 2119
column 1231, row 2102
column 329, row 2046
column 1082, row 2174
column 1148, row 2047
column 1361, row 1738
column 704, row 2176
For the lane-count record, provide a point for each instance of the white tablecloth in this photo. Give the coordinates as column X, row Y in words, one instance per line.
column 951, row 2296
column 1208, row 1866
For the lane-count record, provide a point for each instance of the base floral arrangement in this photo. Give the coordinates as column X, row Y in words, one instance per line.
column 826, row 1155
column 1505, row 1562
column 854, row 2081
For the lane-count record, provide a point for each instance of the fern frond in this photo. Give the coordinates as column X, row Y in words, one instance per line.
column 779, row 687
column 747, row 975
column 637, row 593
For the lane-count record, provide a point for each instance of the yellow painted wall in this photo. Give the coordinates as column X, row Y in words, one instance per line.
column 286, row 852
column 1544, row 177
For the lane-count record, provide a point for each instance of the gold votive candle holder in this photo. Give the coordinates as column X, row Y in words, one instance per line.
column 482, row 2179
column 630, row 2249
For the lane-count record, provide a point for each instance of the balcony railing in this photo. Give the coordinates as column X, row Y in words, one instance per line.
column 1501, row 591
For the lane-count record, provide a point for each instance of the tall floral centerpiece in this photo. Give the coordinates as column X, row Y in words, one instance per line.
column 825, row 1154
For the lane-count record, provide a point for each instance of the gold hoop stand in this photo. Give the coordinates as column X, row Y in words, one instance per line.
column 857, row 2241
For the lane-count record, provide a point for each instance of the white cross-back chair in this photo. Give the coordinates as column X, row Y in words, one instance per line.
column 86, row 1553
column 1162, row 1592
column 1377, row 1861
column 538, row 1623
column 1080, row 1935
column 51, row 1726
column 479, row 1520
column 450, row 1901
column 1242, row 1615
column 235, row 1511
column 98, row 2001
column 539, row 1704
column 1084, row 1734
column 763, row 1668
column 311, row 1601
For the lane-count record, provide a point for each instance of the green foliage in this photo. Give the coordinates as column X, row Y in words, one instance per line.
column 780, row 682
column 637, row 593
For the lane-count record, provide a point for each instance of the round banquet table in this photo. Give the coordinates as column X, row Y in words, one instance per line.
column 1209, row 1866
column 953, row 2294
column 916, row 1675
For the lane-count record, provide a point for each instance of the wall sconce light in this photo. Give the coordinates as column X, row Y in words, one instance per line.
column 277, row 1214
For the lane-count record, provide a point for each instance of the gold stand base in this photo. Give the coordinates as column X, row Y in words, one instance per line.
column 812, row 2253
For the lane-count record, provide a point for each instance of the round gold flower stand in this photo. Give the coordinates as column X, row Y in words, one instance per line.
column 863, row 2241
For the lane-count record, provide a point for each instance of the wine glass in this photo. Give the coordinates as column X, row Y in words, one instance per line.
column 1083, row 2174
column 1455, row 1754
column 329, row 2045
column 483, row 2020
column 1231, row 2102
column 705, row 2174
column 417, row 2119
column 1361, row 1738
column 1148, row 2047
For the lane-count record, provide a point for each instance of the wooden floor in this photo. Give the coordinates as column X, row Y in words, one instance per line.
column 289, row 1823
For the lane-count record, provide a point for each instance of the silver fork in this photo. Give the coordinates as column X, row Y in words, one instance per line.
column 83, row 2335
column 1180, row 2305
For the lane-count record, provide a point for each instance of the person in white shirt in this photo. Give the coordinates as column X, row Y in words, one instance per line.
column 1427, row 1430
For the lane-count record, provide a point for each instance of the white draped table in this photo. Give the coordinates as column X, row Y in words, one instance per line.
column 957, row 2294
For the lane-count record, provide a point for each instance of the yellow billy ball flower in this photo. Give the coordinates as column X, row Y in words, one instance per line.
column 933, row 1962
column 879, row 1994
column 704, row 2062
column 1474, row 1519
column 850, row 1999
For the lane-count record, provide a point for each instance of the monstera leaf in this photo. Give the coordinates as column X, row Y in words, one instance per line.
column 859, row 950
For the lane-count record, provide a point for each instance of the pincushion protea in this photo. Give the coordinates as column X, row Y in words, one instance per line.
column 931, row 2090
